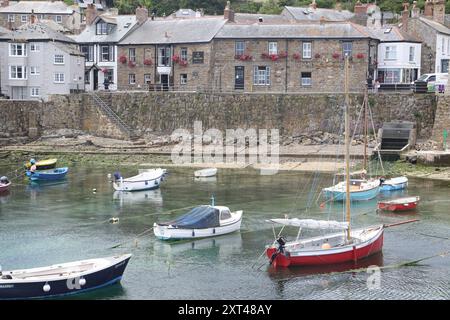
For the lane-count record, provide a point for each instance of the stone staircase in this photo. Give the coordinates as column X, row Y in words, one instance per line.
column 106, row 110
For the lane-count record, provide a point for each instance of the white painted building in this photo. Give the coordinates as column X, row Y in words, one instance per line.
column 399, row 56
column 442, row 53
column 36, row 61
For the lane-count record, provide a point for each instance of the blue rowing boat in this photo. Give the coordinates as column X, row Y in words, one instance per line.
column 47, row 175
column 360, row 190
column 398, row 183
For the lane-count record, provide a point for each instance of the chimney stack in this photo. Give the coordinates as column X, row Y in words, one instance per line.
column 228, row 13
column 360, row 8
column 428, row 9
column 405, row 16
column 439, row 11
column 415, row 12
column 141, row 14
column 90, row 13
column 32, row 17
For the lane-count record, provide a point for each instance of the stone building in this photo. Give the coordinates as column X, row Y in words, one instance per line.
column 14, row 15
column 38, row 61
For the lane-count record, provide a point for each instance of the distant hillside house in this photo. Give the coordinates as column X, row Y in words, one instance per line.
column 38, row 61
column 16, row 14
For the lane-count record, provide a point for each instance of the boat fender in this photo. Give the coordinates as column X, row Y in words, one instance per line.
column 82, row 281
column 46, row 287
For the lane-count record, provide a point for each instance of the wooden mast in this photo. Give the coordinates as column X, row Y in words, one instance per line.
column 347, row 147
column 365, row 129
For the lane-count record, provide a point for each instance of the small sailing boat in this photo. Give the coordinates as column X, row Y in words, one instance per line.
column 62, row 279
column 399, row 204
column 202, row 221
column 48, row 175
column 148, row 180
column 347, row 245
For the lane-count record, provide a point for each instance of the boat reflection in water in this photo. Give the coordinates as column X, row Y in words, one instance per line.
column 125, row 198
column 206, row 179
column 283, row 273
column 4, row 196
column 225, row 245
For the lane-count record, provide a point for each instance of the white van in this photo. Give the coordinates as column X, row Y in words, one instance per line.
column 435, row 81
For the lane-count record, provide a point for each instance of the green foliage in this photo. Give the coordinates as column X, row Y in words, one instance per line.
column 69, row 2
column 270, row 7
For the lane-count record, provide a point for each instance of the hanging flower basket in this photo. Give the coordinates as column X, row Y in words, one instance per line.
column 183, row 63
column 317, row 55
column 336, row 55
column 104, row 70
column 176, row 58
column 123, row 59
column 296, row 56
column 360, row 55
column 131, row 64
column 148, row 62
column 243, row 57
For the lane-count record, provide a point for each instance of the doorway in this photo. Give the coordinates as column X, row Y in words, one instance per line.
column 239, row 78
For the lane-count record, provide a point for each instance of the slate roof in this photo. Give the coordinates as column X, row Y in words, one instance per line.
column 435, row 25
column 196, row 30
column 122, row 25
column 308, row 14
column 391, row 34
column 39, row 7
column 37, row 31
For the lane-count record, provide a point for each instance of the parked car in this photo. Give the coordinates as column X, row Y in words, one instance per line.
column 433, row 82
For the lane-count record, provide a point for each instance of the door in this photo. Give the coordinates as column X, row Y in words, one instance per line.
column 95, row 79
column 239, row 78
column 165, row 82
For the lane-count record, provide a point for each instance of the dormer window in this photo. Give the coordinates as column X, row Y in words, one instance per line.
column 102, row 28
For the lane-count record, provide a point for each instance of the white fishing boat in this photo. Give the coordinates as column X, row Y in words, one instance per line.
column 397, row 183
column 147, row 180
column 202, row 221
column 209, row 172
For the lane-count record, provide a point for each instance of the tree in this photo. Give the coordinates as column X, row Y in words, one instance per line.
column 270, row 7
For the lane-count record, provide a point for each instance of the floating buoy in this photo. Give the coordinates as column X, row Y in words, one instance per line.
column 94, row 190
column 114, row 220
column 46, row 287
column 82, row 281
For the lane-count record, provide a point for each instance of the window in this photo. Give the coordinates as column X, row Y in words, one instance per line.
column 306, row 79
column 34, row 47
column 183, row 78
column 107, row 53
column 58, row 19
column 273, row 48
column 239, row 48
column 34, row 92
column 163, row 56
column 34, row 71
column 11, row 18
column 147, row 78
column 225, row 214
column 59, row 77
column 24, row 18
column 184, row 54
column 131, row 78
column 18, row 72
column 132, row 54
column 411, row 54
column 88, row 52
column 389, row 75
column 391, row 53
column 17, row 50
column 109, row 74
column 307, row 50
column 102, row 28
column 347, row 49
column 59, row 59
column 261, row 75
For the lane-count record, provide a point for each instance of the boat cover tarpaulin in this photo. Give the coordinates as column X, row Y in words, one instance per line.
column 198, row 218
column 311, row 223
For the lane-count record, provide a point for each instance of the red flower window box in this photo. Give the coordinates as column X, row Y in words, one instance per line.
column 176, row 58
column 183, row 63
column 243, row 57
column 148, row 62
column 123, row 59
column 296, row 56
column 360, row 55
column 336, row 55
column 131, row 64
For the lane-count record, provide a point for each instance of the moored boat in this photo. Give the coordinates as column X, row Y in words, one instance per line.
column 202, row 221
column 360, row 190
column 43, row 164
column 62, row 279
column 48, row 175
column 399, row 204
column 397, row 183
column 148, row 180
column 4, row 184
column 208, row 172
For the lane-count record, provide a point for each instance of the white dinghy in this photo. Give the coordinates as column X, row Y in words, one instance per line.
column 209, row 172
column 147, row 180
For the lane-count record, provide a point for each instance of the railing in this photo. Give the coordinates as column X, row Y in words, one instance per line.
column 112, row 115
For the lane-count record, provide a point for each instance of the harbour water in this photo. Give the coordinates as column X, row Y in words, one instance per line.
column 43, row 224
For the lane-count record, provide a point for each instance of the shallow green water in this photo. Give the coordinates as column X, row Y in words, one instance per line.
column 52, row 223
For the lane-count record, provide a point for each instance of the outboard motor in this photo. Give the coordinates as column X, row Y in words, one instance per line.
column 281, row 243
